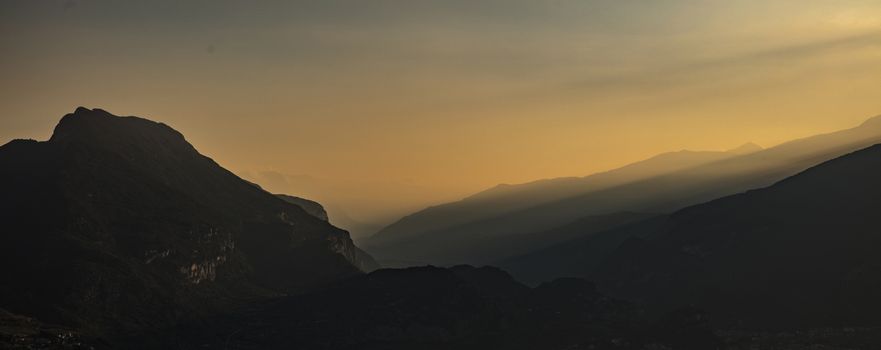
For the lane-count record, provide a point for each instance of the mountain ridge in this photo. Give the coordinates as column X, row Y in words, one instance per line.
column 797, row 253
column 491, row 198
column 662, row 193
column 118, row 223
column 819, row 222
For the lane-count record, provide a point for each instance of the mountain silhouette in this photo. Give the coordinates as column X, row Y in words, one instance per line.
column 580, row 256
column 427, row 307
column 311, row 207
column 506, row 198
column 674, row 181
column 455, row 232
column 492, row 248
column 800, row 253
column 362, row 260
column 117, row 224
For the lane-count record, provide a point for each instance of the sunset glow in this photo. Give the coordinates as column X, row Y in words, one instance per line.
column 384, row 107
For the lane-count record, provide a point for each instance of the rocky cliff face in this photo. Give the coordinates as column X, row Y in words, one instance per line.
column 358, row 257
column 118, row 223
column 312, row 207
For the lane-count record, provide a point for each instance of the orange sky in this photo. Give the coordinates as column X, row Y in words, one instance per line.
column 382, row 107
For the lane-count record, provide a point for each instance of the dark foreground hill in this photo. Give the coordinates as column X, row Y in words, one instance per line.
column 435, row 308
column 803, row 252
column 117, row 224
column 800, row 253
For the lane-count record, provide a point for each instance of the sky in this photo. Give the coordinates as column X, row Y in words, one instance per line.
column 378, row 108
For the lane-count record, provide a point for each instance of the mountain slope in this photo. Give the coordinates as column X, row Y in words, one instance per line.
column 662, row 193
column 802, row 252
column 508, row 198
column 312, row 207
column 578, row 257
column 362, row 260
column 117, row 223
column 455, row 246
column 435, row 308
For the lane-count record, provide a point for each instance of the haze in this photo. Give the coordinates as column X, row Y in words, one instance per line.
column 379, row 108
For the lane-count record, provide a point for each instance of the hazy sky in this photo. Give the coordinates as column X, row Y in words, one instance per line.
column 383, row 106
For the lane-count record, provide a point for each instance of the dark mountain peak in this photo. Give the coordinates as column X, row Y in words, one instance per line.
column 126, row 206
column 98, row 127
column 19, row 143
column 82, row 121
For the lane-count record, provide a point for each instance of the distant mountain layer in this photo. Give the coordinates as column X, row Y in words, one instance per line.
column 659, row 185
column 579, row 256
column 117, row 223
column 800, row 253
column 508, row 198
column 455, row 246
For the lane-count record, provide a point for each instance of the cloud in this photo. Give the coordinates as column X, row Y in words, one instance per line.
column 688, row 72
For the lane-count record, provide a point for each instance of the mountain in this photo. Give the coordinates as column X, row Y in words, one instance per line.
column 311, row 207
column 746, row 148
column 435, row 308
column 579, row 256
column 665, row 191
column 455, row 246
column 467, row 231
column 357, row 228
column 117, row 224
column 362, row 260
column 800, row 253
column 508, row 198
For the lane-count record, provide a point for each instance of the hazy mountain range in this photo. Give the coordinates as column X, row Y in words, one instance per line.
column 501, row 217
column 119, row 234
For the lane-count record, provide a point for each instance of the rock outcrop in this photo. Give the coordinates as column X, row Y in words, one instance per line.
column 118, row 224
column 312, row 207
